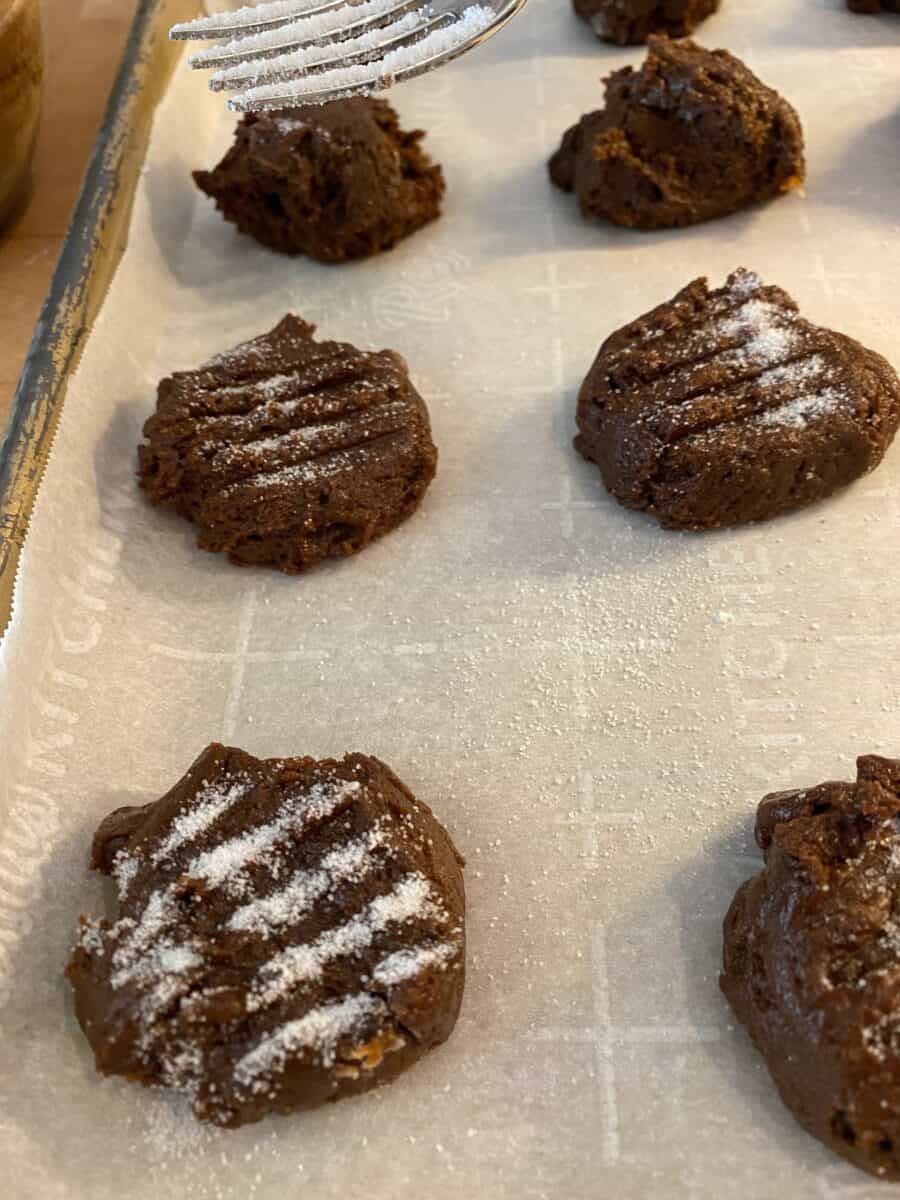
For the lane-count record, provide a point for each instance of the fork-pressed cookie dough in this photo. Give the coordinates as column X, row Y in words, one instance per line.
column 289, row 932
column 724, row 406
column 286, row 450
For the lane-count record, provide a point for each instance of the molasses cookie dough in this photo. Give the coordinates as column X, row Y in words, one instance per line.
column 289, row 932
column 872, row 7
column 629, row 22
column 690, row 136
column 335, row 181
column 720, row 407
column 285, row 450
column 812, row 960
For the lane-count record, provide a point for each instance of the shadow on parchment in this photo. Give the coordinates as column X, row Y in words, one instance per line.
column 575, row 234
column 221, row 265
column 559, row 518
column 68, row 1130
column 155, row 545
column 62, row 1122
column 701, row 892
column 159, row 555
column 866, row 178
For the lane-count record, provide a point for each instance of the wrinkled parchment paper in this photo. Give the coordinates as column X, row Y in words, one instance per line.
column 593, row 706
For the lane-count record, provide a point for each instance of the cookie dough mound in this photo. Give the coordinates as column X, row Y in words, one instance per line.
column 871, row 7
column 720, row 407
column 629, row 22
column 690, row 136
column 335, row 181
column 812, row 960
column 286, row 450
column 289, row 932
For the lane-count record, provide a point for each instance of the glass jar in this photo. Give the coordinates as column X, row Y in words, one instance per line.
column 21, row 74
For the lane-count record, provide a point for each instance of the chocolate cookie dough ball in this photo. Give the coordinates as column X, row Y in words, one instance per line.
column 690, row 136
column 286, row 451
column 872, row 7
column 335, row 181
column 720, row 407
column 289, row 932
column 812, row 960
column 628, row 22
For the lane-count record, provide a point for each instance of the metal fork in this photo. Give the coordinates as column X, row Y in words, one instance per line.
column 288, row 52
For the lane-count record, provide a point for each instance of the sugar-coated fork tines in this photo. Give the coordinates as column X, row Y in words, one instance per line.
column 249, row 19
column 287, row 52
column 333, row 21
column 328, row 56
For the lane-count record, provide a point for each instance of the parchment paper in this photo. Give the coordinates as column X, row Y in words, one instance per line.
column 592, row 705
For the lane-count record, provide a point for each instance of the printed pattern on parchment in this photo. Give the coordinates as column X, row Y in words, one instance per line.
column 592, row 706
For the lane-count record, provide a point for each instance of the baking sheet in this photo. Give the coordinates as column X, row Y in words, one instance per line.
column 593, row 706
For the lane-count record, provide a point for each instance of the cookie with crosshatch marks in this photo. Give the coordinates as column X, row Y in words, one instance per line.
column 812, row 959
column 286, row 451
column 629, row 22
column 720, row 407
column 289, row 932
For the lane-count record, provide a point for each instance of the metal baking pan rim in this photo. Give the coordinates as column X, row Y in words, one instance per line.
column 94, row 243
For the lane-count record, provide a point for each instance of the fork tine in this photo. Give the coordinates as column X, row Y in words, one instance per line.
column 414, row 57
column 330, row 21
column 251, row 19
column 315, row 59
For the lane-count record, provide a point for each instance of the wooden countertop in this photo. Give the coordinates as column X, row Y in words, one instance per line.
column 83, row 41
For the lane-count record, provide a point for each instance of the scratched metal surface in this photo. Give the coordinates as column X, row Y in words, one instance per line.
column 94, row 242
column 593, row 706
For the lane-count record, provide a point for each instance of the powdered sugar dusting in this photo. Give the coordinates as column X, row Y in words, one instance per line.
column 410, row 898
column 319, row 1030
column 404, row 965
column 321, row 467
column 173, row 959
column 90, row 937
column 317, row 439
column 183, row 1068
column 310, row 56
column 282, row 123
column 315, row 405
column 349, row 862
column 362, row 78
column 124, row 868
column 159, row 969
column 136, row 938
column 882, row 1036
column 812, row 369
column 143, row 955
column 171, row 1135
column 744, row 283
column 176, row 976
column 211, row 802
column 306, row 28
column 275, row 10
column 769, row 337
column 803, row 411
column 224, row 864
column 162, row 969
column 250, row 351
column 271, row 410
column 269, row 386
